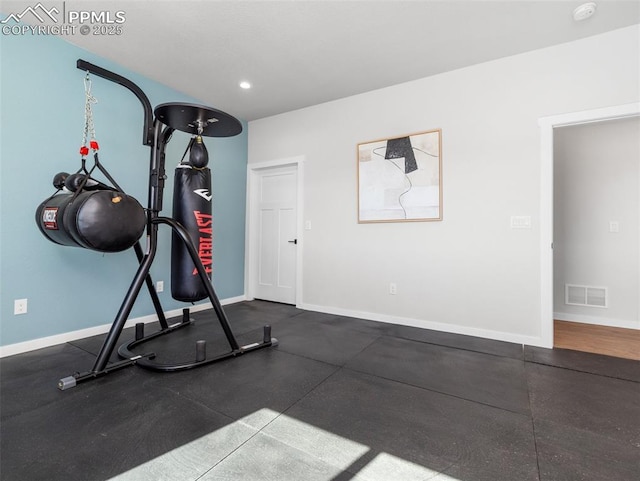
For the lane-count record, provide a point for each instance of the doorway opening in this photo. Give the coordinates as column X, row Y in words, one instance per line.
column 548, row 126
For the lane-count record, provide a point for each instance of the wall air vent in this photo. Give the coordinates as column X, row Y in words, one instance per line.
column 588, row 296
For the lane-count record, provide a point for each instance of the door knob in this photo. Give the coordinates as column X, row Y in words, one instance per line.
column 294, row 241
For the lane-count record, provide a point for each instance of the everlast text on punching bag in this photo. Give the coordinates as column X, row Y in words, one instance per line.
column 192, row 208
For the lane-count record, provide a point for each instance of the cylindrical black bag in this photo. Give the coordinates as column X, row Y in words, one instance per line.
column 191, row 208
column 101, row 220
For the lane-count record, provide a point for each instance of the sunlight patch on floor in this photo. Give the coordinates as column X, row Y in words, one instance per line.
column 199, row 457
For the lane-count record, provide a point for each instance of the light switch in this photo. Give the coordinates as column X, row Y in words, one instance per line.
column 307, row 225
column 521, row 222
column 614, row 226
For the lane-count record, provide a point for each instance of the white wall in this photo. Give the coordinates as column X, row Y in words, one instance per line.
column 471, row 272
column 596, row 176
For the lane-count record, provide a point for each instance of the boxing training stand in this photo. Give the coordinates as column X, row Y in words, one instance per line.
column 192, row 119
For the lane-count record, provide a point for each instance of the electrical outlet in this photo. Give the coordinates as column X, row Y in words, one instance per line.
column 393, row 289
column 19, row 306
column 159, row 286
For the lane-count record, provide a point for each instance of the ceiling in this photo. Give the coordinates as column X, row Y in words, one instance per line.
column 301, row 53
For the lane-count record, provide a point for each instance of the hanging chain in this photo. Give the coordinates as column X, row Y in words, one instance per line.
column 89, row 129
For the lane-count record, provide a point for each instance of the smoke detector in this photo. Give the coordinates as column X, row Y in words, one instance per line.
column 584, row 11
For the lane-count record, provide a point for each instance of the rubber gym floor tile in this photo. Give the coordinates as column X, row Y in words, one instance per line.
column 568, row 453
column 585, row 361
column 263, row 458
column 587, row 402
column 242, row 324
column 459, row 341
column 332, row 321
column 193, row 459
column 247, row 316
column 333, row 344
column 104, row 428
column 251, row 386
column 360, row 325
column 263, row 308
column 311, row 316
column 386, row 415
column 29, row 381
column 493, row 380
column 365, row 425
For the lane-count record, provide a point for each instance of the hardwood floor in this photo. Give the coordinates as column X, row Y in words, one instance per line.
column 610, row 341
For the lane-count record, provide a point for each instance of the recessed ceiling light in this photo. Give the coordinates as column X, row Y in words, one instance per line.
column 245, row 85
column 584, row 11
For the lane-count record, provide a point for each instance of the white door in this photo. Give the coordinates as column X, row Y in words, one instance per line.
column 276, row 235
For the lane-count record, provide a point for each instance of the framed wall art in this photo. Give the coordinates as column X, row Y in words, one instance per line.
column 400, row 179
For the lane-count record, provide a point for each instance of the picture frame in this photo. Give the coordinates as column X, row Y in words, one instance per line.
column 400, row 178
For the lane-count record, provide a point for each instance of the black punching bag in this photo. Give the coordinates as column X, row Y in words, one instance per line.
column 192, row 209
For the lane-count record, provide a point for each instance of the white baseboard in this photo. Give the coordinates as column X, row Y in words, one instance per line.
column 43, row 342
column 436, row 326
column 600, row 321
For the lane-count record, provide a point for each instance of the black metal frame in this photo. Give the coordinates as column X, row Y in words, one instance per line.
column 156, row 136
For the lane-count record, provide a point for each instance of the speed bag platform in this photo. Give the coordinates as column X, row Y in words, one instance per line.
column 100, row 220
column 191, row 208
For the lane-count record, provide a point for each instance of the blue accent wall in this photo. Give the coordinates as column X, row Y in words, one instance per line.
column 41, row 126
